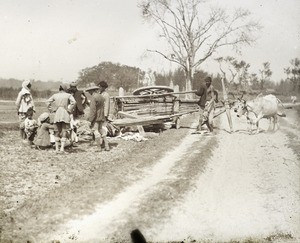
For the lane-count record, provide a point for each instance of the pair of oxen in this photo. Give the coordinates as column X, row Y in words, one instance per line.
column 268, row 106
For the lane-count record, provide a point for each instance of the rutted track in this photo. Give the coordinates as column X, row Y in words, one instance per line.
column 216, row 188
column 149, row 200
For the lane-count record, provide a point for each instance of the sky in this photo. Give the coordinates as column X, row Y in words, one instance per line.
column 56, row 39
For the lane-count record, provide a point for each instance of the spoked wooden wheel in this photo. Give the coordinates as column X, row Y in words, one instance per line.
column 150, row 90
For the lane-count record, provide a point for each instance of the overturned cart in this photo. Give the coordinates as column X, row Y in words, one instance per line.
column 153, row 106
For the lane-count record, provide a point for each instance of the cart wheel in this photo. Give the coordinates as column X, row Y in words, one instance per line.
column 153, row 90
column 177, row 123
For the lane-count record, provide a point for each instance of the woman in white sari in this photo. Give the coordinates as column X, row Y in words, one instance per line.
column 24, row 102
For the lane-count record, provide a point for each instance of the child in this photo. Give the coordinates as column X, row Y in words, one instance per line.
column 30, row 126
column 42, row 139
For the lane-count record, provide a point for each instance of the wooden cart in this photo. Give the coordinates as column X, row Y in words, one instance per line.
column 152, row 105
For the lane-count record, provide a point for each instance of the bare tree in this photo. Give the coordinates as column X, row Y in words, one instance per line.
column 193, row 34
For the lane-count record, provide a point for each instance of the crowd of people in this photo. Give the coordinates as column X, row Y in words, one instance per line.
column 57, row 127
column 66, row 107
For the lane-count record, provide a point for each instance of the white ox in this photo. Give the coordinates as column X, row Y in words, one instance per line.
column 260, row 107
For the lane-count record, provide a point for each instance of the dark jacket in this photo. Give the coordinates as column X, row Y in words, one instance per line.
column 80, row 103
column 96, row 108
column 206, row 94
column 202, row 92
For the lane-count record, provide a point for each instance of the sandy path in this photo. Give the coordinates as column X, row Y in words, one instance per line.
column 102, row 222
column 250, row 189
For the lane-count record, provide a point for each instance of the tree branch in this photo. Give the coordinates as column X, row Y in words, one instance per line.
column 166, row 57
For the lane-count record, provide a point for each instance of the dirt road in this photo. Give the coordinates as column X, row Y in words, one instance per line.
column 247, row 187
column 217, row 188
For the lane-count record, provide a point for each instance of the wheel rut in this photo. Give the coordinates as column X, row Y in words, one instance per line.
column 146, row 202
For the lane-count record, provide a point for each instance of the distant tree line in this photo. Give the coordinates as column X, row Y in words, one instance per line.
column 116, row 75
column 235, row 72
column 293, row 76
column 36, row 84
column 8, row 93
column 130, row 78
column 9, row 88
column 178, row 78
column 12, row 93
column 238, row 78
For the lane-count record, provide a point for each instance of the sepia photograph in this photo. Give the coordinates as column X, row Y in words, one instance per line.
column 159, row 121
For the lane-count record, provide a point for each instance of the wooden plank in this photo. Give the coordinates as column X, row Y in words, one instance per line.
column 135, row 122
column 149, row 120
column 128, row 115
column 139, row 127
column 227, row 107
column 154, row 95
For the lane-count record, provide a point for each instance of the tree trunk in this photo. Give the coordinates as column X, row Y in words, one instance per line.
column 188, row 83
column 262, row 85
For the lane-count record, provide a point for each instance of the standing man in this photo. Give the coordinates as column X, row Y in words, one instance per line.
column 63, row 106
column 97, row 117
column 208, row 97
column 24, row 102
column 80, row 99
column 103, row 86
column 78, row 110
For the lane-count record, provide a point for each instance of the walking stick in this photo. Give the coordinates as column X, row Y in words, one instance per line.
column 227, row 107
